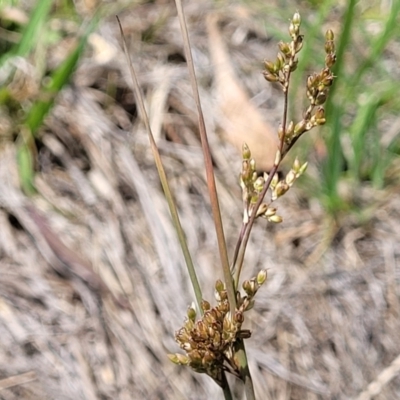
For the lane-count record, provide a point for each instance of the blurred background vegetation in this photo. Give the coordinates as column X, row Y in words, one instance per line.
column 44, row 41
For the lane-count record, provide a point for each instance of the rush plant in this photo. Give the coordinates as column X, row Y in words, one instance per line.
column 212, row 337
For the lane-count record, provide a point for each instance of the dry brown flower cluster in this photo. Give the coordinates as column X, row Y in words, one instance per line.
column 209, row 342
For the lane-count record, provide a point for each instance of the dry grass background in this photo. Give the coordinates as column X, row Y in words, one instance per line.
column 326, row 324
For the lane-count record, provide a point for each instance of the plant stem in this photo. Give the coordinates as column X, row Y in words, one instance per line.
column 225, row 388
column 246, row 228
column 163, row 178
column 212, row 190
column 241, row 361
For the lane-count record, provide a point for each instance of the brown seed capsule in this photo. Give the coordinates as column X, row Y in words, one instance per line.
column 205, row 305
column 239, row 317
column 298, row 44
column 244, row 334
column 293, row 65
column 270, row 77
column 321, row 98
column 330, row 60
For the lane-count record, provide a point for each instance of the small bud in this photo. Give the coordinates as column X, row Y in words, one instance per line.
column 280, row 132
column 303, row 168
column 205, row 305
column 320, row 116
column 219, row 286
column 280, row 61
column 296, row 165
column 253, row 288
column 224, row 295
column 239, row 317
column 293, row 65
column 182, row 359
column 281, row 188
column 261, row 277
column 330, row 60
column 195, row 357
column 217, row 339
column 290, row 177
column 191, row 313
column 246, row 171
column 298, row 44
column 294, row 27
column 186, row 346
column 271, row 211
column 173, row 358
column 290, row 129
column 327, row 81
column 270, row 67
column 247, row 287
column 278, row 157
column 299, row 128
column 329, row 35
column 276, row 219
column 262, row 209
column 274, row 181
column 321, row 98
column 246, row 153
column 284, row 48
column 259, row 184
column 211, row 332
column 329, row 47
column 296, row 20
column 253, row 164
column 270, row 77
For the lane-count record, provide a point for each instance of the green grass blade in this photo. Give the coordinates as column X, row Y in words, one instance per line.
column 333, row 165
column 58, row 79
column 31, row 32
column 379, row 44
column 25, row 161
column 365, row 117
column 212, row 190
column 163, row 179
column 40, row 109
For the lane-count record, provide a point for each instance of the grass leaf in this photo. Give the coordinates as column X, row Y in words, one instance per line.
column 36, row 115
column 163, row 178
column 212, row 190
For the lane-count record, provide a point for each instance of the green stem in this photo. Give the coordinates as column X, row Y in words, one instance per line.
column 225, row 388
column 241, row 362
column 163, row 178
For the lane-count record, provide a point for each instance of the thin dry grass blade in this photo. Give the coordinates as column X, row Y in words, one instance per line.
column 163, row 178
column 212, row 190
column 240, row 354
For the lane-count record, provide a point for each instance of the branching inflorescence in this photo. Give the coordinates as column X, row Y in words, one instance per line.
column 212, row 341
